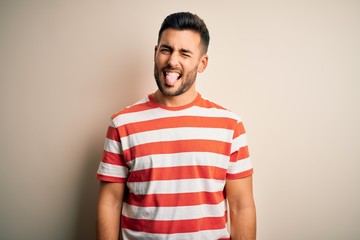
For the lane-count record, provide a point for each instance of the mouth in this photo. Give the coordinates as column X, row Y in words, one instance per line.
column 171, row 77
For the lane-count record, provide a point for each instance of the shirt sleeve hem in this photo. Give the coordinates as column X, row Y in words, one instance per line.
column 244, row 174
column 110, row 178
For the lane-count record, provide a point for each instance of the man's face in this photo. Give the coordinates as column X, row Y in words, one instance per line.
column 178, row 58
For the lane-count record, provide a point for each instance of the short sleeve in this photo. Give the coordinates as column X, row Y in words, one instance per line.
column 240, row 164
column 112, row 167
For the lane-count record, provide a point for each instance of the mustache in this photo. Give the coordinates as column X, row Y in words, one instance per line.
column 170, row 68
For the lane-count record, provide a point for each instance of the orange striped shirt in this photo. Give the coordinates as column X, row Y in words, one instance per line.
column 175, row 162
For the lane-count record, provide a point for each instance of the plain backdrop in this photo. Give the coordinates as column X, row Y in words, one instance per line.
column 290, row 69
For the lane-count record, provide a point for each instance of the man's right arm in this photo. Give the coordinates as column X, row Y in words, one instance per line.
column 109, row 210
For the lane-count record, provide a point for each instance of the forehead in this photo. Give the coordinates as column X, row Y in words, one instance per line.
column 181, row 39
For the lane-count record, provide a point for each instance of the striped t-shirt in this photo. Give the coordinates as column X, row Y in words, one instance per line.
column 174, row 161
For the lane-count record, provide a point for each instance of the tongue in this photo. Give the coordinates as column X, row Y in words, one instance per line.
column 171, row 79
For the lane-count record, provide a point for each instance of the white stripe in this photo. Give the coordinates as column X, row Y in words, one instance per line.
column 173, row 134
column 111, row 124
column 175, row 213
column 239, row 142
column 203, row 235
column 112, row 170
column 144, row 100
column 112, row 146
column 240, row 166
column 156, row 113
column 180, row 159
column 176, row 186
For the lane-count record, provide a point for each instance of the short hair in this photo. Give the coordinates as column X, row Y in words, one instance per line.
column 186, row 21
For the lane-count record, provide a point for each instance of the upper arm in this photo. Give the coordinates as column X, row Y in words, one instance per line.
column 239, row 193
column 111, row 194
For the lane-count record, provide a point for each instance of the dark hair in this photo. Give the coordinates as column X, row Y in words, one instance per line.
column 186, row 21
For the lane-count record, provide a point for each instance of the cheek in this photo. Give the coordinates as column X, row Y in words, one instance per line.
column 191, row 67
column 188, row 65
column 161, row 58
column 158, row 64
column 157, row 59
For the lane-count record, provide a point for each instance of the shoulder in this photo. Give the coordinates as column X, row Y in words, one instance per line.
column 139, row 106
column 218, row 109
column 131, row 114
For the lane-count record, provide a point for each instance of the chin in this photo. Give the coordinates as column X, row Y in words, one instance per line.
column 169, row 93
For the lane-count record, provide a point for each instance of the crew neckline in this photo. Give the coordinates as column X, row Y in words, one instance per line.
column 159, row 105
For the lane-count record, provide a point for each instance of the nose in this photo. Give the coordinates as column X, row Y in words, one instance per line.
column 173, row 60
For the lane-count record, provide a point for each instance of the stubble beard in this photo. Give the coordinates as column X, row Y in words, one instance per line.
column 171, row 91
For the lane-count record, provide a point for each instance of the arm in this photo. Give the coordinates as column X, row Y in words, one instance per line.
column 242, row 209
column 109, row 210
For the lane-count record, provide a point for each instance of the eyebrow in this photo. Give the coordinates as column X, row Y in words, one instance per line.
column 182, row 50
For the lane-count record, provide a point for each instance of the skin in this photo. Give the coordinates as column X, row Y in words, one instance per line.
column 242, row 209
column 108, row 211
column 181, row 52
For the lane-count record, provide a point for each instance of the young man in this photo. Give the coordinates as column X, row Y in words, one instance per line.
column 173, row 159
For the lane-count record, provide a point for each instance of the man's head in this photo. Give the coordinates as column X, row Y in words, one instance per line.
column 187, row 21
column 180, row 54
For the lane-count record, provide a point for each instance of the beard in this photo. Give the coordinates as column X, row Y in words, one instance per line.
column 171, row 91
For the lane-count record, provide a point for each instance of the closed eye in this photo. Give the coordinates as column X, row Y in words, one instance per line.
column 186, row 53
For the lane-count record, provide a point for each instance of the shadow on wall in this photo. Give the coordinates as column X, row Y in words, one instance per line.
column 123, row 91
column 89, row 186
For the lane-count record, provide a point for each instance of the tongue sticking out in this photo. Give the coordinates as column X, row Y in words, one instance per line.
column 171, row 78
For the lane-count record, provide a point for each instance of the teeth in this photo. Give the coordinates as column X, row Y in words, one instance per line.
column 172, row 74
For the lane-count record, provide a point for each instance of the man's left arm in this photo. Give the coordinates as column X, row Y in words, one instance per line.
column 239, row 193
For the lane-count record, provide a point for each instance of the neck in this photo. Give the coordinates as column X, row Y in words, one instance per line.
column 175, row 101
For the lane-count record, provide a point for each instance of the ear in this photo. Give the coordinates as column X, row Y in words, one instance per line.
column 155, row 50
column 203, row 63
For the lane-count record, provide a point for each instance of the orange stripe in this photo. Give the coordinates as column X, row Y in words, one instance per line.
column 177, row 173
column 173, row 122
column 113, row 158
column 112, row 134
column 174, row 226
column 171, row 200
column 177, row 147
column 239, row 130
column 242, row 153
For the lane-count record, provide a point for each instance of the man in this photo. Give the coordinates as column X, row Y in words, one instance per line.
column 173, row 159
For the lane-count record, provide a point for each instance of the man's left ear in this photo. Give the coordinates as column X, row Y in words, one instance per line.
column 203, row 63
